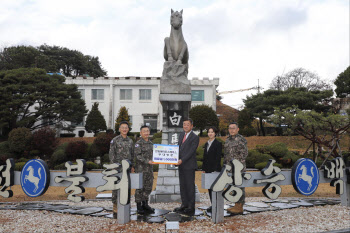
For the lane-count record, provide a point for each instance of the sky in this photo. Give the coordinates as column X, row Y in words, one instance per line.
column 242, row 42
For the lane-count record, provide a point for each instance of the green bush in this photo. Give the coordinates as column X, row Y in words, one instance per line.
column 204, row 134
column 155, row 167
column 199, row 153
column 60, row 167
column 91, row 165
column 5, row 152
column 20, row 140
column 58, row 157
column 157, row 141
column 19, row 166
column 220, row 140
column 157, row 135
column 289, row 159
column 63, row 146
column 277, row 150
column 254, row 157
column 247, row 132
column 200, row 165
column 262, row 165
column 105, row 159
column 93, row 151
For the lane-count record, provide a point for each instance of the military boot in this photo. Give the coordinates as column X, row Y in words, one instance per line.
column 140, row 209
column 237, row 209
column 115, row 211
column 146, row 207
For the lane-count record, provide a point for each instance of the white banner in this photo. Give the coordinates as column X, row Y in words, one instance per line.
column 165, row 154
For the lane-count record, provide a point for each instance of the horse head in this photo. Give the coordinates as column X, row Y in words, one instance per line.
column 176, row 19
column 30, row 168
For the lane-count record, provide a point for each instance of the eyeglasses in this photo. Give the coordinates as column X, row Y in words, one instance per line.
column 232, row 128
column 123, row 128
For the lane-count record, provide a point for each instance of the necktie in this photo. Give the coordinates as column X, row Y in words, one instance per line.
column 184, row 139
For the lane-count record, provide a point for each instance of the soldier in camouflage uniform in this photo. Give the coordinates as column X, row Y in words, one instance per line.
column 236, row 148
column 122, row 147
column 143, row 163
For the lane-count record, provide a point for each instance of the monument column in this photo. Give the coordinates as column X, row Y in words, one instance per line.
column 175, row 98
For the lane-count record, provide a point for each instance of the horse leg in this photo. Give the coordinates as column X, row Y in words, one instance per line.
column 180, row 59
column 167, row 50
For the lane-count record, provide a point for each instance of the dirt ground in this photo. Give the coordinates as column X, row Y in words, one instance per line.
column 58, row 193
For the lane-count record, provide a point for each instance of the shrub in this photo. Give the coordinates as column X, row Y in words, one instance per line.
column 19, row 166
column 157, row 135
column 45, row 141
column 247, row 132
column 261, row 148
column 22, row 160
column 94, row 151
column 103, row 142
column 222, row 141
column 204, row 134
column 76, row 150
column 5, row 152
column 19, row 140
column 254, row 157
column 200, row 153
column 91, row 165
column 277, row 149
column 289, row 159
column 262, row 165
column 58, row 157
column 105, row 159
column 60, row 167
column 200, row 165
column 157, row 141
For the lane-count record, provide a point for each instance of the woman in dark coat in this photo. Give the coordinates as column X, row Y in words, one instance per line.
column 212, row 155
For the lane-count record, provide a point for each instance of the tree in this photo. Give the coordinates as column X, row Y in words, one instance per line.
column 30, row 98
column 51, row 58
column 95, row 122
column 298, row 78
column 45, row 141
column 343, row 83
column 123, row 115
column 203, row 116
column 315, row 126
column 262, row 105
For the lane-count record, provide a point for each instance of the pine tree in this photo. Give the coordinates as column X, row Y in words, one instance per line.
column 123, row 115
column 95, row 121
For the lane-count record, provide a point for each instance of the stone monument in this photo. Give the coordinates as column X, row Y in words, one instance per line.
column 175, row 98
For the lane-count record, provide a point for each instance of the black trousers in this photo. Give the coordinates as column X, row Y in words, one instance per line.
column 187, row 187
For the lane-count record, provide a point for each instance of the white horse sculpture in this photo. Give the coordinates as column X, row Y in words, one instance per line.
column 33, row 179
column 306, row 177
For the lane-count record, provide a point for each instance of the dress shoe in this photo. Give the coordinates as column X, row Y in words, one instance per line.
column 209, row 209
column 179, row 209
column 189, row 211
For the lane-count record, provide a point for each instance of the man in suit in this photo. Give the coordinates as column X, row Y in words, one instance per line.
column 188, row 143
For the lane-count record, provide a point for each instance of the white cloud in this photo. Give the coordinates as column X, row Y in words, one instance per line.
column 239, row 41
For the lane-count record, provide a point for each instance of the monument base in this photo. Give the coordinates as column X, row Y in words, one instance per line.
column 168, row 188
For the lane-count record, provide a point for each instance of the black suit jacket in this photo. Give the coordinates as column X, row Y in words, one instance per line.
column 212, row 158
column 187, row 151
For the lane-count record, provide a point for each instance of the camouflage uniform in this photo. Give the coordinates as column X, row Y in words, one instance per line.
column 236, row 148
column 121, row 148
column 144, row 153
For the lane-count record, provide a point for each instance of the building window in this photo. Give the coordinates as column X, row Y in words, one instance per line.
column 145, row 94
column 125, row 94
column 197, row 95
column 82, row 93
column 97, row 94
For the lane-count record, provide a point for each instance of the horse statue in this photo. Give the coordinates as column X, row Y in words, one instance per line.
column 175, row 47
column 306, row 177
column 33, row 179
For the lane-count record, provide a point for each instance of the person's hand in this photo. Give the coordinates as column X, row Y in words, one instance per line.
column 179, row 162
column 150, row 162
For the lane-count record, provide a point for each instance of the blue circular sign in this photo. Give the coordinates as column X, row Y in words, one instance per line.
column 305, row 176
column 35, row 178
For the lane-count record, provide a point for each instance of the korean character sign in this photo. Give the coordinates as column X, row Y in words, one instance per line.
column 165, row 154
